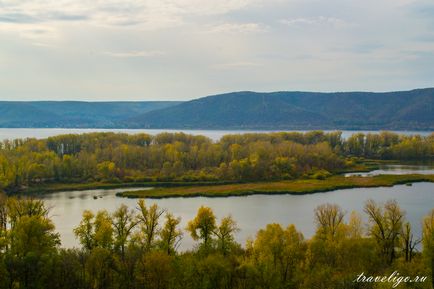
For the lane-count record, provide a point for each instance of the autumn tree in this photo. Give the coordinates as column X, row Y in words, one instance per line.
column 85, row 230
column 409, row 242
column 329, row 219
column 203, row 226
column 225, row 234
column 32, row 242
column 148, row 221
column 385, row 226
column 170, row 234
column 276, row 254
column 123, row 222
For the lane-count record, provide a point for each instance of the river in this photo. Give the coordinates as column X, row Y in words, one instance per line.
column 13, row 133
column 251, row 212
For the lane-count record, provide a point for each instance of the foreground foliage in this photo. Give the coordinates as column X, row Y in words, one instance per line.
column 137, row 248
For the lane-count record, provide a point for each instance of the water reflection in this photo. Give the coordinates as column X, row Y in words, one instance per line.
column 397, row 170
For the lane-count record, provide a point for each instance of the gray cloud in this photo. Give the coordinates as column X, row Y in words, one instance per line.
column 17, row 18
column 62, row 16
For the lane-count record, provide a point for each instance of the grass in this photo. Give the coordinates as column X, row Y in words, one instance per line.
column 305, row 186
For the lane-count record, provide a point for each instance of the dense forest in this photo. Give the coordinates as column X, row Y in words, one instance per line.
column 283, row 110
column 177, row 157
column 137, row 248
column 73, row 114
column 292, row 110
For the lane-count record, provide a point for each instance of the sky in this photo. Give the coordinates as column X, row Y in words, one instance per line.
column 103, row 50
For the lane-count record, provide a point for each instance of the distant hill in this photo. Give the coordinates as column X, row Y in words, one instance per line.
column 402, row 110
column 73, row 114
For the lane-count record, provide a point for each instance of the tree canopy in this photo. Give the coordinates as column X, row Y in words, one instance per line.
column 138, row 248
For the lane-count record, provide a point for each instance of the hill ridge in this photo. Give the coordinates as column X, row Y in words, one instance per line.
column 413, row 109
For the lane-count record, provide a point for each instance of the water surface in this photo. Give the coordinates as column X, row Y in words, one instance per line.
column 13, row 133
column 396, row 170
column 251, row 212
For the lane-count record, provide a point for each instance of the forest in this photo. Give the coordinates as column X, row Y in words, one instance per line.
column 178, row 157
column 137, row 248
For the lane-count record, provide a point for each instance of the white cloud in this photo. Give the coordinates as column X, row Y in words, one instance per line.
column 321, row 20
column 150, row 14
column 238, row 28
column 237, row 65
column 128, row 54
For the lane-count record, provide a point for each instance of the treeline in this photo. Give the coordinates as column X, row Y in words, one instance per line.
column 137, row 248
column 116, row 157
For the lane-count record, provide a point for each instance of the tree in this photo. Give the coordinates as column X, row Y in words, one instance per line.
column 276, row 253
column 225, row 234
column 123, row 221
column 18, row 208
column 103, row 235
column 356, row 144
column 428, row 242
column 3, row 222
column 85, row 230
column 203, row 226
column 33, row 244
column 33, row 234
column 355, row 226
column 170, row 234
column 385, row 226
column 154, row 271
column 148, row 219
column 329, row 219
column 99, row 268
column 107, row 170
column 409, row 243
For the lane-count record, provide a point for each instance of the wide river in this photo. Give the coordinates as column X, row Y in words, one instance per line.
column 251, row 212
column 12, row 133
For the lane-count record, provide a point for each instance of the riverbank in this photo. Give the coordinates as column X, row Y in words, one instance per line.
column 305, row 186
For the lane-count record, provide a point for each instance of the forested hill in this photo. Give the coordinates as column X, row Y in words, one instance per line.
column 403, row 110
column 73, row 114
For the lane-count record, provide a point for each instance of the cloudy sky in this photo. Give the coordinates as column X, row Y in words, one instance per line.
column 184, row 49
